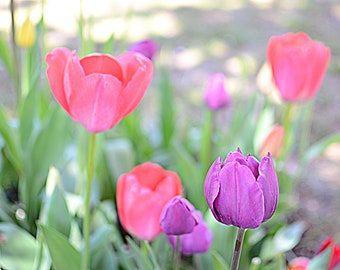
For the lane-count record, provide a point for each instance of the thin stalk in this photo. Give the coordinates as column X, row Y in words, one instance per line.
column 87, row 215
column 177, row 253
column 15, row 53
column 238, row 248
column 206, row 144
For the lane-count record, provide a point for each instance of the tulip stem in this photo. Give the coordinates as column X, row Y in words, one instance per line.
column 87, row 219
column 177, row 254
column 238, row 249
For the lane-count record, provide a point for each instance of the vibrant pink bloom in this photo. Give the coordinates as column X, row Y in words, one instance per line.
column 141, row 195
column 299, row 263
column 242, row 191
column 198, row 241
column 177, row 217
column 146, row 47
column 98, row 90
column 298, row 65
column 273, row 143
column 335, row 255
column 216, row 95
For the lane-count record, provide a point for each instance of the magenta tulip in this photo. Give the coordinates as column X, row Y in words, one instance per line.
column 298, row 65
column 216, row 95
column 242, row 191
column 98, row 90
column 177, row 217
column 146, row 47
column 198, row 241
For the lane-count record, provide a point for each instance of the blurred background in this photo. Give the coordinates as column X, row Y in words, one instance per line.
column 201, row 37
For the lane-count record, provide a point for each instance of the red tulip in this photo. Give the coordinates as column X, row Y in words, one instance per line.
column 98, row 90
column 141, row 195
column 335, row 255
column 298, row 65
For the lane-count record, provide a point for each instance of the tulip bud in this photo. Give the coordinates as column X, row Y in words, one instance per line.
column 177, row 217
column 299, row 263
column 215, row 95
column 146, row 47
column 273, row 143
column 335, row 253
column 26, row 35
column 298, row 65
column 242, row 191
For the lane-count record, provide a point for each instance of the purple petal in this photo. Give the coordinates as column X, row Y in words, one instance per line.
column 240, row 200
column 269, row 185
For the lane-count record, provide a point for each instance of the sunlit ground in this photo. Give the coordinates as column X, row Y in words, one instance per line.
column 200, row 37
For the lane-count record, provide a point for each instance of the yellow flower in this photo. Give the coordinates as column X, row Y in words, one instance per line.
column 26, row 34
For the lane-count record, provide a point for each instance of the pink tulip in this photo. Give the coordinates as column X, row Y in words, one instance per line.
column 216, row 95
column 298, row 65
column 98, row 90
column 141, row 195
column 146, row 47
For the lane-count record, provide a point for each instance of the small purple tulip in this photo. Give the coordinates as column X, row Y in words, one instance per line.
column 198, row 241
column 177, row 217
column 241, row 191
column 216, row 95
column 146, row 47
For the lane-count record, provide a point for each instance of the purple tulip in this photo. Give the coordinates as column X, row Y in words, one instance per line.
column 215, row 95
column 146, row 47
column 198, row 241
column 177, row 217
column 242, row 191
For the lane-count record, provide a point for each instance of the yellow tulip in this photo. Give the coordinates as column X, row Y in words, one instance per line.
column 26, row 34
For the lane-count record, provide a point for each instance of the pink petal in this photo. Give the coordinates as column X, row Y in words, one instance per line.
column 138, row 71
column 56, row 61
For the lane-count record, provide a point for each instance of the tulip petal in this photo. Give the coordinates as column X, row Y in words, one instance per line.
column 56, row 61
column 103, row 64
column 212, row 185
column 240, row 201
column 138, row 71
column 269, row 185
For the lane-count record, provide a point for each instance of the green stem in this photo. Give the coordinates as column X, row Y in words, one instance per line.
column 15, row 54
column 305, row 130
column 87, row 215
column 177, row 253
column 206, row 145
column 237, row 249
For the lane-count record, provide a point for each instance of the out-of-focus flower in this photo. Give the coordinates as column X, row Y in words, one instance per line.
column 242, row 191
column 141, row 195
column 98, row 90
column 273, row 143
column 146, row 47
column 299, row 263
column 198, row 241
column 26, row 34
column 216, row 95
column 298, row 65
column 177, row 217
column 335, row 254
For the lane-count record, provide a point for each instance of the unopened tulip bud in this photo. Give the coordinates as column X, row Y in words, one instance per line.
column 26, row 34
column 216, row 95
column 273, row 143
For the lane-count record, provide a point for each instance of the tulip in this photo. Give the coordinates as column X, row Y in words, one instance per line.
column 141, row 195
column 298, row 65
column 26, row 35
column 242, row 191
column 273, row 143
column 215, row 95
column 146, row 47
column 98, row 90
column 198, row 241
column 177, row 217
column 299, row 263
column 335, row 254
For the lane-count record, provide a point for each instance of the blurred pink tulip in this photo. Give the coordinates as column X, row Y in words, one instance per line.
column 216, row 95
column 146, row 47
column 298, row 65
column 98, row 90
column 273, row 143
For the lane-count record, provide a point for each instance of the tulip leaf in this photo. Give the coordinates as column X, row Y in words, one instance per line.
column 63, row 254
column 5, row 56
column 218, row 261
column 321, row 261
column 266, row 120
column 18, row 248
column 141, row 259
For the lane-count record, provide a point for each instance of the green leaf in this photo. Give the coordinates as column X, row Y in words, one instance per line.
column 108, row 45
column 218, row 261
column 142, row 261
column 19, row 249
column 63, row 254
column 321, row 261
column 5, row 56
column 265, row 122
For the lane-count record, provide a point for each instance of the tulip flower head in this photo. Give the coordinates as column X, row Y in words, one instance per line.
column 335, row 254
column 241, row 191
column 299, row 263
column 141, row 196
column 197, row 241
column 26, row 34
column 98, row 90
column 273, row 143
column 177, row 217
column 216, row 95
column 146, row 47
column 298, row 65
